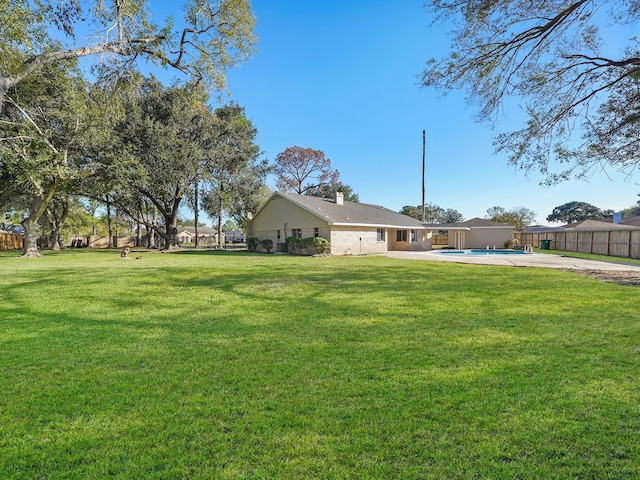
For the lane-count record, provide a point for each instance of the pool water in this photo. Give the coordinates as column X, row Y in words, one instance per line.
column 483, row 251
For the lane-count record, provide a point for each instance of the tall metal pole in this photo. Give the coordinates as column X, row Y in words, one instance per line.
column 424, row 141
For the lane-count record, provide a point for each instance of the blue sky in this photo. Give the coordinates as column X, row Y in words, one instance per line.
column 343, row 77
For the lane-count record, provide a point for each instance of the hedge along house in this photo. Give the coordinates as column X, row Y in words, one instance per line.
column 351, row 228
column 476, row 233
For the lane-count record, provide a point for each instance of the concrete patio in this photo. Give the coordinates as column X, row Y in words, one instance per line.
column 527, row 260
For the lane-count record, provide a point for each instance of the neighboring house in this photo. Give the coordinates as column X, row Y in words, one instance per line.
column 631, row 221
column 234, row 236
column 598, row 225
column 476, row 233
column 206, row 236
column 351, row 228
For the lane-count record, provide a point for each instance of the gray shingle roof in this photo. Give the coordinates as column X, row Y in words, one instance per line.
column 201, row 230
column 481, row 222
column 468, row 224
column 352, row 213
column 633, row 221
column 597, row 225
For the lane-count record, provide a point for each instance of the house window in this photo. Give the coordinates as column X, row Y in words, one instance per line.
column 381, row 234
column 316, row 232
column 414, row 235
column 278, row 234
column 296, row 233
column 401, row 235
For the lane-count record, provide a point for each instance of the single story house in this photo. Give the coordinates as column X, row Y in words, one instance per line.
column 352, row 228
column 206, row 236
column 598, row 225
column 631, row 221
column 476, row 233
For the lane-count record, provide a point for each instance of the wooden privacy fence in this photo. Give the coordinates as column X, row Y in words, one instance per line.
column 440, row 239
column 615, row 243
column 10, row 241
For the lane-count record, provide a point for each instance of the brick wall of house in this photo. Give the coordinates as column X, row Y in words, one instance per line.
column 357, row 241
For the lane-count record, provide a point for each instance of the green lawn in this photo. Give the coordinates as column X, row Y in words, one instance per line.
column 232, row 365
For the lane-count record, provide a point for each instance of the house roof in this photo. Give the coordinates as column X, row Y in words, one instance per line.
column 482, row 223
column 538, row 229
column 349, row 213
column 633, row 221
column 201, row 230
column 598, row 225
column 469, row 224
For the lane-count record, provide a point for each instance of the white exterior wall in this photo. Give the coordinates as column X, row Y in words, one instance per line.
column 481, row 237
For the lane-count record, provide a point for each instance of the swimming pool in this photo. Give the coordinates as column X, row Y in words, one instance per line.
column 483, row 251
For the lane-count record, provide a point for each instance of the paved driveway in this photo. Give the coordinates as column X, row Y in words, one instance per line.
column 528, row 260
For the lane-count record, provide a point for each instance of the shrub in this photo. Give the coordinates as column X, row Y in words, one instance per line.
column 252, row 244
column 309, row 246
column 511, row 243
column 267, row 244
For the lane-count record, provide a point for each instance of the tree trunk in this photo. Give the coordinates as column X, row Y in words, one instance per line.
column 220, row 211
column 151, row 237
column 151, row 232
column 30, row 224
column 57, row 219
column 139, row 234
column 110, row 245
column 30, row 249
column 195, row 214
column 171, row 235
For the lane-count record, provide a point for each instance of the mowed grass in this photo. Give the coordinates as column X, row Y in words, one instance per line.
column 212, row 365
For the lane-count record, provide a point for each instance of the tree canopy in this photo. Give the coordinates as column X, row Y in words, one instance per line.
column 434, row 214
column 517, row 216
column 300, row 169
column 46, row 130
column 572, row 212
column 234, row 172
column 555, row 56
column 329, row 190
column 213, row 37
column 156, row 141
column 632, row 210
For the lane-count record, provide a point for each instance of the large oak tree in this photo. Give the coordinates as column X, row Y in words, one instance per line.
column 157, row 158
column 45, row 131
column 572, row 212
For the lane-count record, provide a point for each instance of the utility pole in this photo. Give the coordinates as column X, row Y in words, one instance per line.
column 424, row 141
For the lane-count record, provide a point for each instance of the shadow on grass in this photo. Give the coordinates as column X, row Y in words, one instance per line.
column 232, row 352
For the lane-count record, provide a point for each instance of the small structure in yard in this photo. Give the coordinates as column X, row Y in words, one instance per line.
column 351, row 228
column 476, row 233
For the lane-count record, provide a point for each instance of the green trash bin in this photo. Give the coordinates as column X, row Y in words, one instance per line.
column 545, row 244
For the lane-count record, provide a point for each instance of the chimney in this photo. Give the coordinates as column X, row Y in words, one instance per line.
column 249, row 224
column 339, row 198
column 617, row 217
